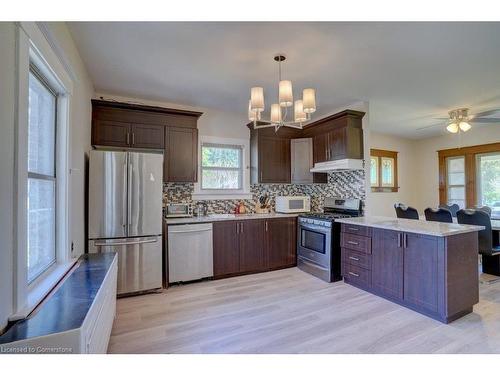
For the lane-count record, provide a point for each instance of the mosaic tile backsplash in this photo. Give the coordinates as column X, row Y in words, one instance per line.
column 344, row 184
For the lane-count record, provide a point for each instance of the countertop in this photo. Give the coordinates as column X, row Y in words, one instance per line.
column 223, row 217
column 431, row 228
column 67, row 308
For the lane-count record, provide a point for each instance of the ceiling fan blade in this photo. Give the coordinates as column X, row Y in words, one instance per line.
column 486, row 113
column 429, row 126
column 485, row 120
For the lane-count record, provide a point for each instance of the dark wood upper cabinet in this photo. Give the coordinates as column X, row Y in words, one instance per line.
column 251, row 234
column 147, row 136
column 173, row 131
column 281, row 242
column 111, row 133
column 387, row 263
column 226, row 248
column 181, row 153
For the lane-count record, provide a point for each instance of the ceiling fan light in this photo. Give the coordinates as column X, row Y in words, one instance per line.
column 309, row 100
column 285, row 94
column 452, row 128
column 464, row 126
column 275, row 113
column 257, row 99
column 300, row 115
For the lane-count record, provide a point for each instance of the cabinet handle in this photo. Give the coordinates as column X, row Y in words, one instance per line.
column 353, row 242
column 237, row 228
column 405, row 240
column 354, row 258
column 266, row 226
column 353, row 274
column 128, row 138
column 260, row 176
column 133, row 138
column 241, row 227
column 353, row 229
column 399, row 239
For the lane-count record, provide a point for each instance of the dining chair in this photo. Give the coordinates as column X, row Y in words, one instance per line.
column 489, row 253
column 441, row 214
column 405, row 212
column 453, row 208
column 485, row 209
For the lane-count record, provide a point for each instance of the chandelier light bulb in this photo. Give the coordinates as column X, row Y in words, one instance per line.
column 452, row 128
column 309, row 100
column 257, row 99
column 275, row 113
column 300, row 115
column 285, row 94
column 252, row 115
column 464, row 126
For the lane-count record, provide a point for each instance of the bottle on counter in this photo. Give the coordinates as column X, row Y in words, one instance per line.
column 241, row 208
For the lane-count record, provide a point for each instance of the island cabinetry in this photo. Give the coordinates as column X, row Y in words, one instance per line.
column 431, row 274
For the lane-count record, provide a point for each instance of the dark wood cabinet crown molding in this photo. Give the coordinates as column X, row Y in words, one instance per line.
column 142, row 107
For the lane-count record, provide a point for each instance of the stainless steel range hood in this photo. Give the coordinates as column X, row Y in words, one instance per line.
column 338, row 165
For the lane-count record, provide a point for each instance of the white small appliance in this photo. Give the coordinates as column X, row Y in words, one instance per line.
column 290, row 204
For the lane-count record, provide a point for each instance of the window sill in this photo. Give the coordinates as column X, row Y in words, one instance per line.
column 220, row 196
column 43, row 287
column 385, row 189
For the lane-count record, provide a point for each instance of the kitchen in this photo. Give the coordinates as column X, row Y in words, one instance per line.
column 190, row 228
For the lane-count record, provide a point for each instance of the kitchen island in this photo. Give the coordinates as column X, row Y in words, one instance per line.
column 429, row 267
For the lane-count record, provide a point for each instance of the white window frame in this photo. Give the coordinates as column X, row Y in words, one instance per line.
column 214, row 194
column 33, row 48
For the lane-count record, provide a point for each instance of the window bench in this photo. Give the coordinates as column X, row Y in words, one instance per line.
column 76, row 318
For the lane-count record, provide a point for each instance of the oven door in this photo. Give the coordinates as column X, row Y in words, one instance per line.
column 314, row 243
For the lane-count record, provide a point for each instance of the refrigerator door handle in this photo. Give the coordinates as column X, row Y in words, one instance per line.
column 119, row 243
column 124, row 197
column 130, row 188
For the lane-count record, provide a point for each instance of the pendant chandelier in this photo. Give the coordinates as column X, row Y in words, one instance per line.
column 282, row 110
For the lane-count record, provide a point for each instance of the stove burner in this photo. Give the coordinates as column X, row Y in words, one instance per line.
column 325, row 215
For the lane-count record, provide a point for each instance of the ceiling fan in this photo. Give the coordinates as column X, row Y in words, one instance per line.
column 460, row 120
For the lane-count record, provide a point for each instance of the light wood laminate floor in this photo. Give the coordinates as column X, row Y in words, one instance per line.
column 289, row 311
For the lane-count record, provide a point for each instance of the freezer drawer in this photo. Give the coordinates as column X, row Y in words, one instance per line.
column 190, row 252
column 139, row 261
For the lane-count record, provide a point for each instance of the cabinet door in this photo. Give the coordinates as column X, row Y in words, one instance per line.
column 251, row 240
column 421, row 286
column 147, row 136
column 281, row 239
column 302, row 160
column 337, row 144
column 110, row 133
column 274, row 160
column 387, row 263
column 181, row 150
column 319, row 155
column 226, row 248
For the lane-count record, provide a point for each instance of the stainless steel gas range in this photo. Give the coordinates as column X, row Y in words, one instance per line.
column 318, row 238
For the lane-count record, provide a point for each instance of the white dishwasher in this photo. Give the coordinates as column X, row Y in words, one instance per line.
column 190, row 252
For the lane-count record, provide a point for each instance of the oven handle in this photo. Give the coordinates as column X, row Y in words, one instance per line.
column 316, row 228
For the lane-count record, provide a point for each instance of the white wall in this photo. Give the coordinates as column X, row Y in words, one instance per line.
column 426, row 164
column 213, row 122
column 80, row 144
column 383, row 203
column 81, row 115
column 7, row 105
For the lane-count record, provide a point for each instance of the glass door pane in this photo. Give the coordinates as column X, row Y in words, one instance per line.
column 455, row 180
column 488, row 181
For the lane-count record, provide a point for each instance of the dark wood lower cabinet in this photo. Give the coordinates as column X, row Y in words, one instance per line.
column 281, row 241
column 226, row 248
column 436, row 276
column 252, row 254
column 255, row 245
column 387, row 263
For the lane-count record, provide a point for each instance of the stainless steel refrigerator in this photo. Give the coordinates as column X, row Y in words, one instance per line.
column 125, row 215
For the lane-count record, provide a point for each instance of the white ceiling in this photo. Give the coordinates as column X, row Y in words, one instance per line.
column 408, row 72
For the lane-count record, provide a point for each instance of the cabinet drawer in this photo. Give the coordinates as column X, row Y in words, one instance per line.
column 357, row 275
column 358, row 243
column 357, row 258
column 357, row 229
